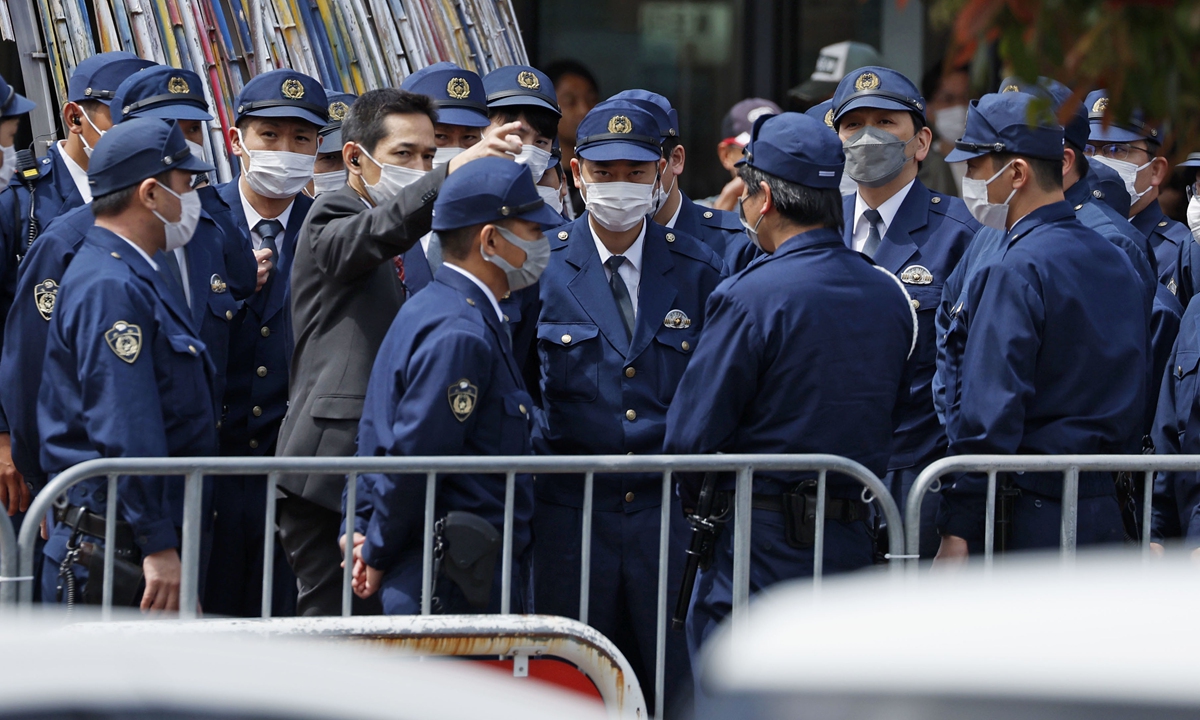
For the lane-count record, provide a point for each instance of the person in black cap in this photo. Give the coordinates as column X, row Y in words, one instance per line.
column 622, row 305
column 913, row 232
column 329, row 171
column 1065, row 309
column 445, row 383
column 347, row 285
column 804, row 351
column 126, row 374
column 278, row 116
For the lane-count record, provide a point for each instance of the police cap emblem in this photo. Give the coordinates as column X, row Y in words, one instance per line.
column 292, row 89
column 178, row 86
column 462, row 395
column 677, row 319
column 459, row 89
column 916, row 275
column 337, row 111
column 1100, row 105
column 1010, row 88
column 125, row 340
column 44, row 296
column 620, row 125
column 867, row 81
column 528, row 80
column 829, row 117
column 217, row 284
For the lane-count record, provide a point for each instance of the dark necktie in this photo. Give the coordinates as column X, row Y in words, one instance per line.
column 620, row 293
column 268, row 230
column 176, row 276
column 873, row 239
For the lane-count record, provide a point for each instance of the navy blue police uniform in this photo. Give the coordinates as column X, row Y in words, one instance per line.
column 256, row 386
column 719, row 229
column 1188, row 261
column 1175, row 511
column 804, row 351
column 126, row 374
column 1065, row 308
column 12, row 105
column 921, row 245
column 445, row 383
column 605, row 390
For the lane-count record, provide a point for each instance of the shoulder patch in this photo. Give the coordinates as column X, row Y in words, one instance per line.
column 45, row 294
column 462, row 396
column 125, row 340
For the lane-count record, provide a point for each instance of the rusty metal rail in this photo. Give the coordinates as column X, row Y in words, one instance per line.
column 509, row 636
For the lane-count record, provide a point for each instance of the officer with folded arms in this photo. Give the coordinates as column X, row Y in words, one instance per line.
column 445, row 383
column 802, row 352
column 1065, row 309
column 126, row 374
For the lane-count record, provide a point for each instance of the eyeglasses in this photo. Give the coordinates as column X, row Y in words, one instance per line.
column 1192, row 190
column 1114, row 151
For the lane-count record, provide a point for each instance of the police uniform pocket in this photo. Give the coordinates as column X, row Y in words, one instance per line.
column 222, row 305
column 514, row 433
column 924, row 300
column 570, row 355
column 1183, row 375
column 673, row 350
column 188, row 391
column 955, row 343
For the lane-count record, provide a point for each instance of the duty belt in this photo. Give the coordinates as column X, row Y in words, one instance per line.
column 835, row 508
column 90, row 523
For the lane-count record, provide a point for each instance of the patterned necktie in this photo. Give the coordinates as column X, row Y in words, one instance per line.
column 268, row 230
column 620, row 293
column 398, row 261
column 873, row 219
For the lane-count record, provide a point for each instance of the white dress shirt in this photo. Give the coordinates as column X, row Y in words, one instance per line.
column 630, row 270
column 253, row 218
column 140, row 252
column 486, row 290
column 78, row 174
column 887, row 211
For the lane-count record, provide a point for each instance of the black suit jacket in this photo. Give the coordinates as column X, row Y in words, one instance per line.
column 345, row 294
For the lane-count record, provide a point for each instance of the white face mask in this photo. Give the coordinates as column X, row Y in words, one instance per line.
column 9, row 166
column 179, row 233
column 87, row 149
column 275, row 173
column 392, row 179
column 752, row 232
column 328, row 181
column 618, row 206
column 974, row 194
column 1193, row 213
column 951, row 122
column 196, row 148
column 1128, row 172
column 536, row 159
column 552, row 197
column 661, row 196
column 446, row 154
column 537, row 257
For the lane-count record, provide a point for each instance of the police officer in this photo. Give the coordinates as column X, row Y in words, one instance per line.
column 1131, row 148
column 462, row 118
column 911, row 231
column 126, row 374
column 802, row 352
column 622, row 306
column 329, row 171
column 720, row 230
column 823, row 111
column 445, row 383
column 278, row 116
column 1066, row 310
column 14, row 491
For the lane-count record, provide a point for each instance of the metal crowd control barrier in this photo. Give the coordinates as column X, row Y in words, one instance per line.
column 195, row 469
column 519, row 637
column 1069, row 465
column 8, row 559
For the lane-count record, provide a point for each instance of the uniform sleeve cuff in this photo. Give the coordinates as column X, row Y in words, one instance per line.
column 156, row 536
column 961, row 516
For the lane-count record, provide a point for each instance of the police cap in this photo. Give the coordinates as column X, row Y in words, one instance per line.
column 487, row 190
column 1134, row 129
column 12, row 103
column 98, row 77
column 137, row 149
column 796, row 148
column 520, row 85
column 999, row 123
column 339, row 104
column 283, row 94
column 458, row 93
column 161, row 92
column 618, row 130
column 876, row 87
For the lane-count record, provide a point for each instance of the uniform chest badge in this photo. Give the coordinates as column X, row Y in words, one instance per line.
column 462, row 395
column 125, row 339
column 677, row 319
column 916, row 275
column 1171, row 286
column 44, row 296
column 217, row 284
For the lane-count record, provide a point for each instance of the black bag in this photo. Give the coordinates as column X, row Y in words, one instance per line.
column 472, row 545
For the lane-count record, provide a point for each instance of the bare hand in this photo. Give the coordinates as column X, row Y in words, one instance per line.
column 374, row 578
column 264, row 266
column 728, row 199
column 14, row 493
column 1157, row 549
column 497, row 142
column 358, row 577
column 952, row 553
column 163, row 572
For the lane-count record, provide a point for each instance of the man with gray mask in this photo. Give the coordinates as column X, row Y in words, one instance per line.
column 917, row 234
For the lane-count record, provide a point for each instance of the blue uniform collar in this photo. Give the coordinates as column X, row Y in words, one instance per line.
column 478, row 299
column 1079, row 193
column 120, row 249
column 1052, row 213
column 1148, row 219
column 808, row 240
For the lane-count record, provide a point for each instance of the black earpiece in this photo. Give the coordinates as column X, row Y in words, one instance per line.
column 75, row 120
column 354, row 161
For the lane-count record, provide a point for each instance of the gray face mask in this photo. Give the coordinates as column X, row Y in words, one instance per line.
column 537, row 257
column 875, row 157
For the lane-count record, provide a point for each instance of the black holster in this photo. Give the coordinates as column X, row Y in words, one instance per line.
column 799, row 508
column 471, row 545
column 128, row 581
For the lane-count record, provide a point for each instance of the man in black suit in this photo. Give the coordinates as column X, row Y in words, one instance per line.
column 347, row 286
